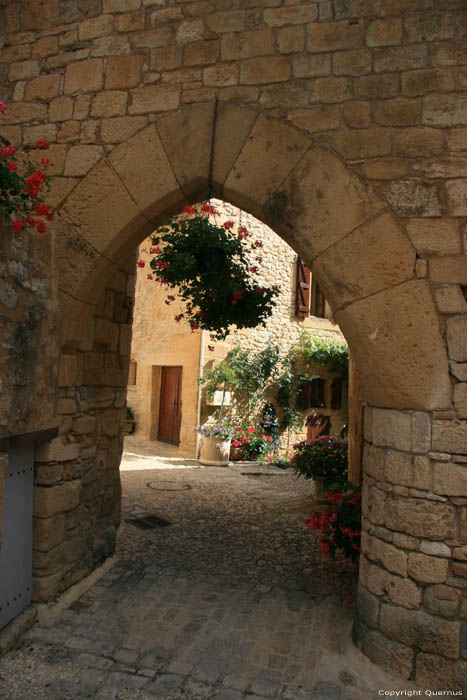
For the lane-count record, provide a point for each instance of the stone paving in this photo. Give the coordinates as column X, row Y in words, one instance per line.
column 231, row 600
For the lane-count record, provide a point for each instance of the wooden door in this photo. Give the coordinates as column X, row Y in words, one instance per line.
column 170, row 410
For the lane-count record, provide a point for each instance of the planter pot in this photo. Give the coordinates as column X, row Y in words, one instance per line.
column 320, row 490
column 214, row 451
column 130, row 426
column 235, row 454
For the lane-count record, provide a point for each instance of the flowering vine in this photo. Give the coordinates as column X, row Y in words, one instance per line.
column 209, row 266
column 21, row 186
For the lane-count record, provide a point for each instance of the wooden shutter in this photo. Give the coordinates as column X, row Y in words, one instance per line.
column 302, row 291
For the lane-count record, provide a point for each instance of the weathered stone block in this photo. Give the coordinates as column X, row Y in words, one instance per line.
column 258, row 71
column 106, row 333
column 46, row 475
column 56, row 451
column 123, row 71
column 437, row 672
column 450, row 479
column 442, row 600
column 80, row 159
column 323, row 37
column 399, row 591
column 450, row 436
column 460, row 399
column 84, row 76
column 450, row 300
column 198, row 53
column 95, row 27
column 397, row 112
column 407, row 470
column 373, row 461
column 388, row 653
column 390, row 60
column 246, row 45
column 316, row 119
column 421, row 630
column 457, row 195
column 111, row 103
column 111, row 422
column 368, row 607
column 437, row 549
column 392, row 558
column 420, row 518
column 154, row 99
column 120, row 129
column 60, row 557
column 48, row 501
column 221, row 75
column 445, row 110
column 45, row 87
column 384, row 32
column 420, row 82
column 48, row 532
column 457, row 339
column 311, row 66
column 84, row 425
column 291, row 39
column 392, row 429
column 356, row 62
column 427, row 569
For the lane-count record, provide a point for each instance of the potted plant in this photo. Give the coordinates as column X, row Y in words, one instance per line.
column 323, row 459
column 130, row 421
column 252, row 444
column 215, row 444
column 340, row 523
column 210, row 267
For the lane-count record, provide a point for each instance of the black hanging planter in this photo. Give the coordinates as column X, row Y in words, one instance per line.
column 210, row 260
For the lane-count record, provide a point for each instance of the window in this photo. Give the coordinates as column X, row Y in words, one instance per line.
column 310, row 393
column 309, row 299
column 132, row 373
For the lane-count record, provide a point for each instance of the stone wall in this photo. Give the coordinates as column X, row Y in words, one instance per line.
column 77, row 483
column 342, row 125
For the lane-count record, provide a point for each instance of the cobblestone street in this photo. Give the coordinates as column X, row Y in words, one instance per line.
column 229, row 600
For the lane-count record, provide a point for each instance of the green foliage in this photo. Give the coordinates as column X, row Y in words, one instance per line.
column 334, row 356
column 286, row 396
column 214, row 297
column 324, row 457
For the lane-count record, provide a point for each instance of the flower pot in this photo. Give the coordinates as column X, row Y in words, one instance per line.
column 214, row 451
column 235, row 454
column 320, row 489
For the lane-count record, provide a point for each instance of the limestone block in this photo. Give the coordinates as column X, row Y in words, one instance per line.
column 233, row 21
column 101, row 207
column 129, row 23
column 311, row 66
column 392, row 558
column 421, row 630
column 32, row 133
column 48, row 532
column 123, row 71
column 56, row 451
column 420, row 82
column 333, row 90
column 459, row 370
column 375, row 506
column 420, row 518
column 376, row 86
column 316, row 119
column 399, row 350
column 110, row 46
column 400, row 591
column 51, row 500
column 190, row 30
column 259, row 71
column 419, row 142
column 156, row 38
column 95, row 27
column 291, row 39
column 457, row 195
column 450, row 479
column 280, row 16
column 118, row 6
column 59, row 557
column 61, row 109
column 456, row 139
column 427, row 569
column 450, row 300
column 249, row 187
column 111, row 422
column 356, row 62
column 170, row 57
column 332, row 36
column 459, row 570
column 397, row 112
column 436, row 671
column 441, row 600
column 46, row 475
column 23, row 70
column 111, row 103
column 144, row 168
column 437, row 549
column 448, row 269
column 154, row 98
column 84, row 76
column 384, row 32
column 450, row 436
column 69, row 131
column 84, row 425
column 392, row 429
column 22, row 112
column 456, row 332
column 421, row 432
column 357, row 115
column 373, row 461
column 80, row 159
column 387, row 653
column 119, row 129
column 45, row 588
column 221, row 75
column 124, row 346
column 405, row 541
column 460, row 553
column 460, row 399
column 407, row 470
column 46, row 46
column 414, row 198
column 246, row 45
column 384, row 257
column 45, row 87
column 445, row 110
column 400, row 58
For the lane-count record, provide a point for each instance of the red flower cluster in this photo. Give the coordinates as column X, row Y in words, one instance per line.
column 339, row 524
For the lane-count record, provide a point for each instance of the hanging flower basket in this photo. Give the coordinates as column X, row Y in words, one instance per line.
column 210, row 267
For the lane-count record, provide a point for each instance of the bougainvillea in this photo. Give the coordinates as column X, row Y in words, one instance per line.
column 22, row 185
column 340, row 522
column 209, row 265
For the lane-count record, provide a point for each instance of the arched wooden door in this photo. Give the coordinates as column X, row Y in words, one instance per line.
column 170, row 410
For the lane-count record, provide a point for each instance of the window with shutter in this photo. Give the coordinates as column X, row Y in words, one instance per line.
column 302, row 290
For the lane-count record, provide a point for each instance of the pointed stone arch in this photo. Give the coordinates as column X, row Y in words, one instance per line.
column 325, row 210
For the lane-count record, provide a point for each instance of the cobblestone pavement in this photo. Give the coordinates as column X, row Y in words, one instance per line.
column 231, row 600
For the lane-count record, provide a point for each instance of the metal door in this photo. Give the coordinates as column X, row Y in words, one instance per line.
column 16, row 551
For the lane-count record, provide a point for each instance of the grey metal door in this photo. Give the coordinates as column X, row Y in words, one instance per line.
column 16, row 551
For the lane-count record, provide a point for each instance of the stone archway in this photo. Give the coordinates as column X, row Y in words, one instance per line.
column 367, row 266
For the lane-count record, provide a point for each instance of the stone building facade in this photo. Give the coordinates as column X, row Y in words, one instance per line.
column 342, row 124
column 158, row 340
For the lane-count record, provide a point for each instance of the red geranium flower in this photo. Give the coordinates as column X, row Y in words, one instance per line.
column 17, row 224
column 42, row 143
